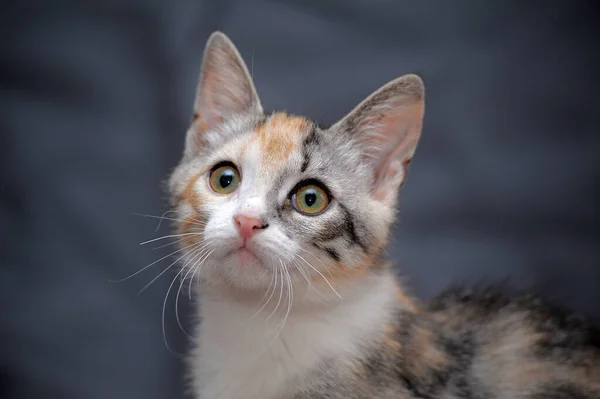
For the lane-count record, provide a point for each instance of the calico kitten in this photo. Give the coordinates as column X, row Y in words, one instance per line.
column 284, row 224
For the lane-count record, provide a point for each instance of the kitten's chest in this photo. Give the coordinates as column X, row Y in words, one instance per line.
column 244, row 355
column 263, row 363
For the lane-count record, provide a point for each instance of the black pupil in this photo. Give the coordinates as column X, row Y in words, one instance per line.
column 310, row 198
column 226, row 178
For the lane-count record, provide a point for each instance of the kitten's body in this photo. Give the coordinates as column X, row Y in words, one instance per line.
column 373, row 345
column 295, row 300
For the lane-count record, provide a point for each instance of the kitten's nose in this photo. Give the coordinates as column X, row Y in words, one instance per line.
column 247, row 225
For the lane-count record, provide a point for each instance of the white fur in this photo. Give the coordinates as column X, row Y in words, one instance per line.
column 241, row 358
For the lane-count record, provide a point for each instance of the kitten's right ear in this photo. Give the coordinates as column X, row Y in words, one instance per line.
column 225, row 89
column 387, row 126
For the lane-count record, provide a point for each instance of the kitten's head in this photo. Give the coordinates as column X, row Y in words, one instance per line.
column 263, row 197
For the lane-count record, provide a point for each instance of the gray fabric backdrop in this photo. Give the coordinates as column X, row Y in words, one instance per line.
column 95, row 97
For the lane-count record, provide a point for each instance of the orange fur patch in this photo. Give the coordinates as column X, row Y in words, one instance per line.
column 357, row 369
column 278, row 136
column 422, row 345
column 194, row 199
column 341, row 273
column 389, row 339
column 189, row 194
column 191, row 225
column 347, row 271
column 407, row 301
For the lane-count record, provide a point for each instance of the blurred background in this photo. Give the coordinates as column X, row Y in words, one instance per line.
column 95, row 97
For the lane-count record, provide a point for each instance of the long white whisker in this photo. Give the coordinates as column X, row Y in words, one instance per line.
column 170, row 243
column 319, row 260
column 198, row 253
column 163, row 272
column 152, row 264
column 305, row 275
column 320, row 274
column 290, row 293
column 191, row 282
column 156, row 217
column 280, row 296
column 196, row 270
column 272, row 283
column 313, row 255
column 172, row 219
column 169, row 236
column 164, row 330
column 301, row 270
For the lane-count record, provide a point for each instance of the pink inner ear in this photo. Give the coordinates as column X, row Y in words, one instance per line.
column 225, row 88
column 209, row 104
column 389, row 142
column 380, row 191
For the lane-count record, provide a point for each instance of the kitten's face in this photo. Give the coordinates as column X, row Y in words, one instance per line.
column 266, row 197
column 280, row 192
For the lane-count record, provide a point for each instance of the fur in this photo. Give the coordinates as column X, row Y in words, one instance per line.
column 307, row 307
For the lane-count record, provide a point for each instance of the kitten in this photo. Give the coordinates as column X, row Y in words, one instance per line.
column 284, row 224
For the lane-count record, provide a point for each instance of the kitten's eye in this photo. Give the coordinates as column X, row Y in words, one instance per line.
column 310, row 199
column 224, row 179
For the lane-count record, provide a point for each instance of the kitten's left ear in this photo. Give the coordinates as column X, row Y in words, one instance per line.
column 387, row 126
column 225, row 89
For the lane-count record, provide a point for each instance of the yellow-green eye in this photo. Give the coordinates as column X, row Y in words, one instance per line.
column 224, row 179
column 310, row 199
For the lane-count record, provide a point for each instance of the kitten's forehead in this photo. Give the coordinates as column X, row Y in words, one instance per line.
column 277, row 139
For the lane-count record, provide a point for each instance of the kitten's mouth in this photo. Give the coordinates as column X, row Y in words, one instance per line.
column 244, row 254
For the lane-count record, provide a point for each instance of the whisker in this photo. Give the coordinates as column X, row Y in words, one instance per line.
column 194, row 219
column 303, row 272
column 160, row 217
column 290, row 302
column 319, row 260
column 198, row 253
column 164, row 330
column 301, row 269
column 273, row 280
column 320, row 274
column 313, row 255
column 152, row 264
column 290, row 293
column 191, row 282
column 170, row 243
column 280, row 296
column 156, row 217
column 163, row 272
column 195, row 267
column 169, row 236
column 172, row 219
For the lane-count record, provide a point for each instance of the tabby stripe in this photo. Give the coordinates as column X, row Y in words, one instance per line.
column 310, row 140
column 330, row 251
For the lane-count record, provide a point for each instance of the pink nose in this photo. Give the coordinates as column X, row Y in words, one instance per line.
column 247, row 226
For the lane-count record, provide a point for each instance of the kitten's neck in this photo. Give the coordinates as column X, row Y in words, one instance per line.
column 320, row 295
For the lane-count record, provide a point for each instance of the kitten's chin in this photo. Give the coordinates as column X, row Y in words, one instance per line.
column 245, row 258
column 242, row 268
